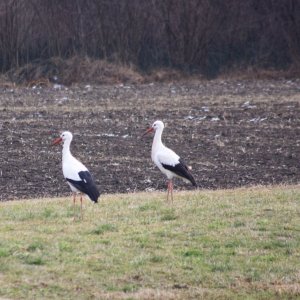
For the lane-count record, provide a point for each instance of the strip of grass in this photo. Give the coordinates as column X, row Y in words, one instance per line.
column 233, row 244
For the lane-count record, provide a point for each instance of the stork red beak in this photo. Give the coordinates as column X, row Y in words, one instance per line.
column 151, row 129
column 57, row 141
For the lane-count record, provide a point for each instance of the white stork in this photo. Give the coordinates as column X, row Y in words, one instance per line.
column 77, row 175
column 167, row 160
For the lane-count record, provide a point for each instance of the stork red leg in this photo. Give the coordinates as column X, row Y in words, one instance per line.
column 74, row 200
column 81, row 206
column 171, row 188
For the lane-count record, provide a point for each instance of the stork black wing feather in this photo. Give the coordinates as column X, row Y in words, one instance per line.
column 86, row 185
column 181, row 170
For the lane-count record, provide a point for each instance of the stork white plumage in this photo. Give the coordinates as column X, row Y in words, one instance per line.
column 77, row 175
column 167, row 160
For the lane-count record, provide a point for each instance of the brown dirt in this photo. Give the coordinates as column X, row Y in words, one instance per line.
column 233, row 133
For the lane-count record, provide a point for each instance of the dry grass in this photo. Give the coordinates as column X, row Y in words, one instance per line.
column 87, row 70
column 75, row 70
column 256, row 73
column 80, row 70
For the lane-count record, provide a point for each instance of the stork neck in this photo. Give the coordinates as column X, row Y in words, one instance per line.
column 157, row 139
column 66, row 149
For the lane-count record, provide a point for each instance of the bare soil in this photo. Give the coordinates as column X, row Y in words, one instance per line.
column 232, row 132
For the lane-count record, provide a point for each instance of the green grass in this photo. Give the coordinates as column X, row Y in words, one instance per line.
column 232, row 244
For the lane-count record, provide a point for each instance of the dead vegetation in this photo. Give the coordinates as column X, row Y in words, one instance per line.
column 80, row 70
column 73, row 70
column 85, row 70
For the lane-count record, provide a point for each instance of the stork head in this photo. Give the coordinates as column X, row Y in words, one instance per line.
column 155, row 126
column 65, row 136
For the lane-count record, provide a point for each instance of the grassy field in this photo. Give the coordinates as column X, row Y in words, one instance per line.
column 227, row 244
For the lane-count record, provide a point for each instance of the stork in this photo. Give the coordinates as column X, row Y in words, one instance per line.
column 167, row 160
column 77, row 175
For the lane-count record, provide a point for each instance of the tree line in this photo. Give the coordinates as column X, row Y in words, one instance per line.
column 206, row 36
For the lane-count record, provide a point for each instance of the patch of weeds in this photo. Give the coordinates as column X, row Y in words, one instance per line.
column 28, row 215
column 33, row 260
column 232, row 244
column 96, row 265
column 264, row 258
column 104, row 242
column 231, row 252
column 168, row 215
column 289, row 227
column 8, row 228
column 49, row 213
column 166, row 234
column 221, row 267
column 217, row 225
column 4, row 252
column 262, row 225
column 111, row 288
column 239, row 223
column 156, row 259
column 143, row 241
column 70, row 213
column 261, row 228
column 104, row 228
column 148, row 206
column 193, row 253
column 140, row 261
column 215, row 248
column 65, row 247
column 34, row 246
column 147, row 220
column 274, row 244
column 129, row 288
column 253, row 275
column 224, row 206
column 4, row 267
